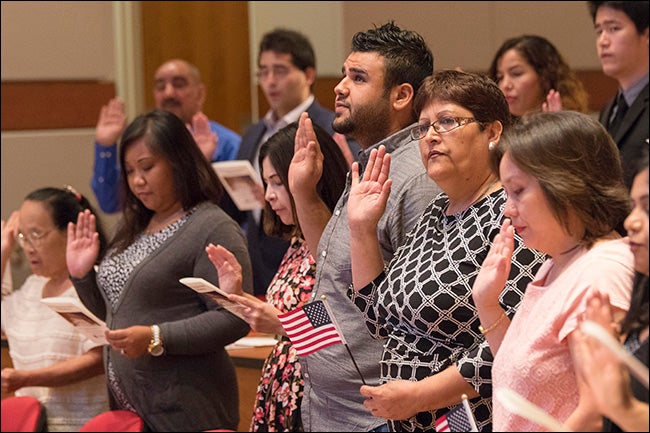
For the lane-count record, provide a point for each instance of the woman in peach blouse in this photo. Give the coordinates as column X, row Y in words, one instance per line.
column 566, row 195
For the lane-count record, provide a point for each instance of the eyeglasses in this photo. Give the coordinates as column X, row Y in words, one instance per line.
column 33, row 238
column 279, row 71
column 446, row 124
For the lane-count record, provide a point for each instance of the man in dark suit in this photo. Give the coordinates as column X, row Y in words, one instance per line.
column 287, row 72
column 622, row 43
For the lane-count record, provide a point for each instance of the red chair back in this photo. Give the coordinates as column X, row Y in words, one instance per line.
column 23, row 414
column 114, row 421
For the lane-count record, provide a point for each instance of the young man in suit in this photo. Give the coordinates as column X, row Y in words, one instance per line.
column 286, row 73
column 622, row 44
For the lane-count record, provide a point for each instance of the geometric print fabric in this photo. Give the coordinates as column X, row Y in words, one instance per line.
column 424, row 306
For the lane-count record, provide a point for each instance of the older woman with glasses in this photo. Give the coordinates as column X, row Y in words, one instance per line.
column 52, row 360
column 420, row 303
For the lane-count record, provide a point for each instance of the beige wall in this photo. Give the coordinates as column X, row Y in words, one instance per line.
column 462, row 34
column 52, row 41
column 57, row 40
column 76, row 40
column 467, row 34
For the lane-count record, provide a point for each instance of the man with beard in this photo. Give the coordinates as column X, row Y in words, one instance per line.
column 374, row 106
column 178, row 89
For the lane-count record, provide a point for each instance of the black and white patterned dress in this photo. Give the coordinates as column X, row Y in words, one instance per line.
column 422, row 306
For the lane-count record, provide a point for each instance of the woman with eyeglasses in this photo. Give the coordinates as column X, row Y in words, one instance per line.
column 420, row 303
column 52, row 360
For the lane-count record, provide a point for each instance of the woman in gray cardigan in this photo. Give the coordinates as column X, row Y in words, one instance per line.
column 165, row 359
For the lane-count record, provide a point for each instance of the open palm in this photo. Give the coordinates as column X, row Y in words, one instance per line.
column 83, row 245
column 369, row 195
column 495, row 269
column 306, row 165
column 228, row 268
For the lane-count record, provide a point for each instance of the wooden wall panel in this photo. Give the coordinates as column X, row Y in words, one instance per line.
column 28, row 105
column 214, row 37
column 53, row 104
column 600, row 88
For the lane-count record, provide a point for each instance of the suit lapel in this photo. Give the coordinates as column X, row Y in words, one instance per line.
column 632, row 114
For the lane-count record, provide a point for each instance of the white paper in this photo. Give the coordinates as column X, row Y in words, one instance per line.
column 247, row 342
column 219, row 296
column 75, row 312
column 241, row 181
column 518, row 405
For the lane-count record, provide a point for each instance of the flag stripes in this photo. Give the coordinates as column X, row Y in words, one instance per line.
column 310, row 328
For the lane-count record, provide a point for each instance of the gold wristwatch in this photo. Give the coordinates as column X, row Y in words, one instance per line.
column 155, row 345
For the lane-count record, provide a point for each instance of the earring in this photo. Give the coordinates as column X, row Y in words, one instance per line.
column 491, row 145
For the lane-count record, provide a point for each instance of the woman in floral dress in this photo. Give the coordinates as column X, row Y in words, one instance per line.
column 277, row 404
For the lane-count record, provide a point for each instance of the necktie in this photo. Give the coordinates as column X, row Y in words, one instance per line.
column 621, row 109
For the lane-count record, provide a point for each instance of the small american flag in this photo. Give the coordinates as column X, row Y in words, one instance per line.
column 310, row 328
column 455, row 420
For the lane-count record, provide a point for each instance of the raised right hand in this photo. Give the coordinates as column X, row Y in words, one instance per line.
column 203, row 135
column 111, row 123
column 306, row 166
column 493, row 275
column 553, row 101
column 83, row 245
column 228, row 268
column 369, row 195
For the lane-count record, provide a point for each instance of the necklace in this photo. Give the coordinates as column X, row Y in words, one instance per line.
column 154, row 227
column 560, row 262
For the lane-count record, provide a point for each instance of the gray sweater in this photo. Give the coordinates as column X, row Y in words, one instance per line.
column 192, row 386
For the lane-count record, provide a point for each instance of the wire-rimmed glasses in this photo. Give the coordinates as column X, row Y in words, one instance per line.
column 35, row 239
column 445, row 124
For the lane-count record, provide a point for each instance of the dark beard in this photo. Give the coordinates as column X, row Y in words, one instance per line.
column 369, row 124
column 343, row 126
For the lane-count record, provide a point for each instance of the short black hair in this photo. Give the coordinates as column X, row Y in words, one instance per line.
column 637, row 11
column 291, row 42
column 408, row 58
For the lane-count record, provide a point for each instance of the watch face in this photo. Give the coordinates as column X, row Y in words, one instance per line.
column 156, row 350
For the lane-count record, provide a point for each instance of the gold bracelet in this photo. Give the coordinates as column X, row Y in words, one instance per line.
column 492, row 326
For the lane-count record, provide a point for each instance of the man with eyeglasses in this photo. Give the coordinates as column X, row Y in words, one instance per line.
column 286, row 73
column 178, row 89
